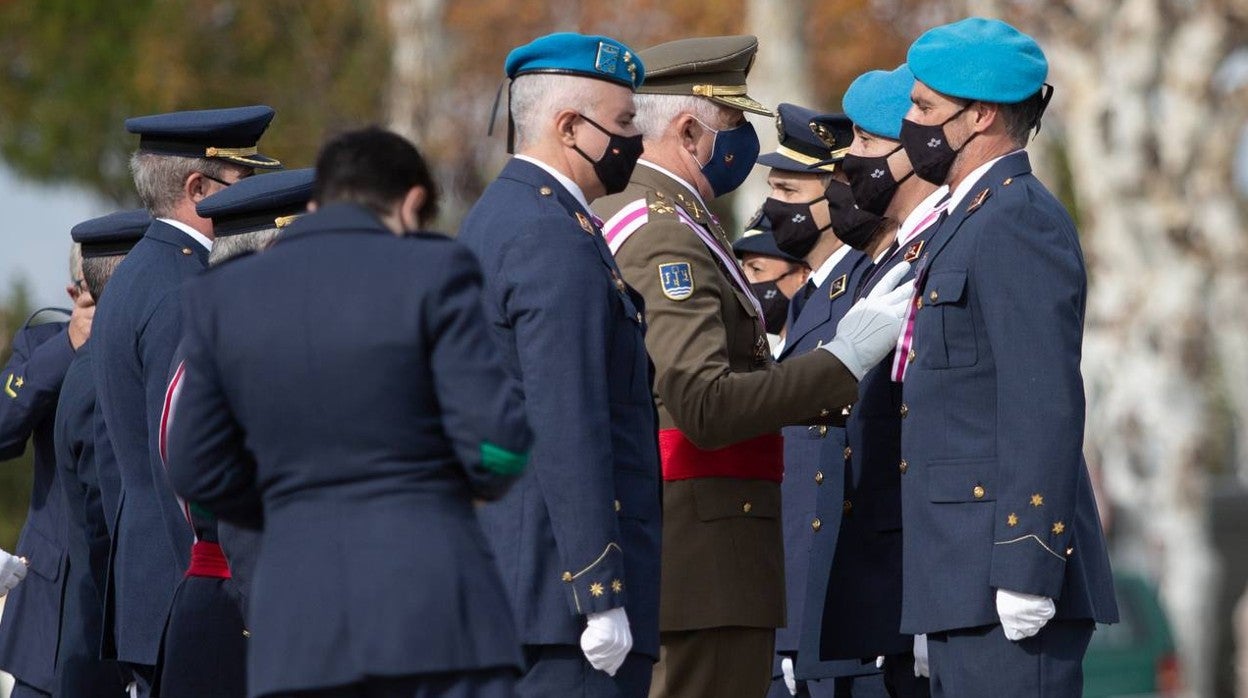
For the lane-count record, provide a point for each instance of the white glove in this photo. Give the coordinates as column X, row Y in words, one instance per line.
column 12, row 571
column 790, row 679
column 870, row 329
column 607, row 640
column 921, row 668
column 1023, row 615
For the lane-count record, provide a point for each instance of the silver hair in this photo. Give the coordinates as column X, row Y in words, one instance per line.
column 159, row 178
column 536, row 98
column 75, row 262
column 656, row 112
column 230, row 246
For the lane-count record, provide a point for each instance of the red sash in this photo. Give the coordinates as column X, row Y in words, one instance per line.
column 760, row 458
column 207, row 560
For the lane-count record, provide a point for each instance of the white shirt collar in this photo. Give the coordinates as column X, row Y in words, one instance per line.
column 976, row 174
column 821, row 274
column 195, row 234
column 563, row 179
column 676, row 177
column 908, row 227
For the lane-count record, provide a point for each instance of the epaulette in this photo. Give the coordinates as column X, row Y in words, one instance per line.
column 47, row 316
column 660, row 206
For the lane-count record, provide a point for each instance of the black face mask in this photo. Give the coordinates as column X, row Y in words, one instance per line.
column 775, row 304
column 615, row 167
column 872, row 181
column 793, row 225
column 931, row 156
column 854, row 226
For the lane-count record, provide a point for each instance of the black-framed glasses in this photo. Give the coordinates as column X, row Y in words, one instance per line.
column 222, row 182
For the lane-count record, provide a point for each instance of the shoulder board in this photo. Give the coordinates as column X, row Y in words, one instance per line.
column 47, row 316
column 660, row 205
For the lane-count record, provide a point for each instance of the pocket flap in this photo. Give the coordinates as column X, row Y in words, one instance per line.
column 722, row 498
column 43, row 555
column 945, row 287
column 962, row 481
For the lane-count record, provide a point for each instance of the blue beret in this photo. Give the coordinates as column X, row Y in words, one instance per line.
column 758, row 239
column 877, row 101
column 807, row 139
column 225, row 134
column 568, row 53
column 260, row 202
column 113, row 234
column 979, row 59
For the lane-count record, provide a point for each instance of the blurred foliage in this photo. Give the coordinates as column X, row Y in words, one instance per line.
column 17, row 475
column 75, row 69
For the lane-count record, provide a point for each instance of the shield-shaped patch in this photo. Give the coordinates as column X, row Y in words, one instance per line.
column 677, row 280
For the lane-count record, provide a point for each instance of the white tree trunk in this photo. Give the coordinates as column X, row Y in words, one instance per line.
column 781, row 73
column 1149, row 139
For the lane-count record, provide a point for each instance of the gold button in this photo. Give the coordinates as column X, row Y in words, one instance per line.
column 823, row 430
column 247, row 633
column 186, row 251
column 905, row 410
column 934, row 296
column 903, row 466
column 1008, row 181
column 617, row 505
column 849, row 452
column 1070, row 551
column 978, row 491
column 818, row 477
column 846, row 410
column 747, row 507
column 910, row 358
column 824, row 413
column 847, row 506
column 567, row 576
column 918, row 304
column 545, row 191
column 816, row 524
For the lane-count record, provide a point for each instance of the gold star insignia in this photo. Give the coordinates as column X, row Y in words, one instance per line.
column 1037, row 500
column 617, row 586
column 1011, row 520
column 596, row 589
column 1058, row 528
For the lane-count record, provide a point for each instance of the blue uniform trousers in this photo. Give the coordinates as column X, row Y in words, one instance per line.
column 496, row 683
column 981, row 662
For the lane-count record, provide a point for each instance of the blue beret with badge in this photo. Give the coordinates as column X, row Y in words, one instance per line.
column 808, row 140
column 877, row 101
column 979, row 59
column 260, row 202
column 758, row 239
column 568, row 53
column 225, row 134
column 113, row 234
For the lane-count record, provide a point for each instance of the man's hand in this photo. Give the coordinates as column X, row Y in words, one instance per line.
column 80, row 319
column 870, row 329
column 790, row 679
column 1023, row 615
column 607, row 640
column 12, row 571
column 921, row 667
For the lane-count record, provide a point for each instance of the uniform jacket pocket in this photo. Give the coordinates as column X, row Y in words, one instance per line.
column 723, row 498
column 954, row 481
column 945, row 294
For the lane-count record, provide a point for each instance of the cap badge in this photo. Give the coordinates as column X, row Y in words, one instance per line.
column 608, row 58
column 824, row 134
column 780, row 128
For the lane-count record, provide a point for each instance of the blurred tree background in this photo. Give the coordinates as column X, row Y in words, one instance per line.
column 1151, row 102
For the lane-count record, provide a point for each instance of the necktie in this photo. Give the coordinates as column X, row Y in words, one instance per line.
column 800, row 298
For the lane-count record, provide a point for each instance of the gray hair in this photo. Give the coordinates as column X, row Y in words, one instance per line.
column 75, row 262
column 96, row 271
column 230, row 246
column 536, row 98
column 159, row 178
column 656, row 112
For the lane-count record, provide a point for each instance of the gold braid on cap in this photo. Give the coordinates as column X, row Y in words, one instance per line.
column 719, row 90
column 212, row 152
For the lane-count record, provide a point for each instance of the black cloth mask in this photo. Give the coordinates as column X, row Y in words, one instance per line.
column 615, row 167
column 793, row 226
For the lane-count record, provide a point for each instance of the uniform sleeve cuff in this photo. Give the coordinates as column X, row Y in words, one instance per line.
column 600, row 586
column 1028, row 565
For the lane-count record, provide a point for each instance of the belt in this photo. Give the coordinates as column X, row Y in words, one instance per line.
column 760, row 458
column 207, row 560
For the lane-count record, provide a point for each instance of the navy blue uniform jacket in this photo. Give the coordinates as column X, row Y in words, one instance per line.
column 996, row 494
column 32, row 613
column 137, row 327
column 82, row 672
column 342, row 391
column 580, row 532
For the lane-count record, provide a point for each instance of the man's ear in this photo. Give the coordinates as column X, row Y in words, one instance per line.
column 410, row 209
column 565, row 125
column 984, row 115
column 689, row 131
column 195, row 187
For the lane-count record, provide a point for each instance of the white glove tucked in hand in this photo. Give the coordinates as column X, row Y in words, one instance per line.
column 607, row 640
column 12, row 571
column 921, row 667
column 1023, row 615
column 790, row 679
column 870, row 329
